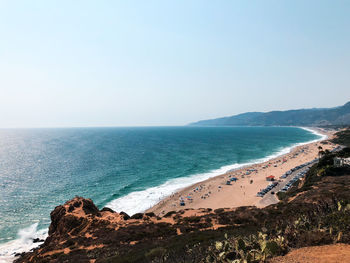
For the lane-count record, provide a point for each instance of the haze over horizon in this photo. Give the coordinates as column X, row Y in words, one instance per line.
column 155, row 63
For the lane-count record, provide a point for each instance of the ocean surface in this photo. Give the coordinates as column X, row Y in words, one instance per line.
column 127, row 169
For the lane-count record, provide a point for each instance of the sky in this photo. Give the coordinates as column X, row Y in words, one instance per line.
column 153, row 63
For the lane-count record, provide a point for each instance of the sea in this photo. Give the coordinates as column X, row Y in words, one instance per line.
column 127, row 169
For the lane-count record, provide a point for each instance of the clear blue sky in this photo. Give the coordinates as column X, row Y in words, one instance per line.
column 130, row 63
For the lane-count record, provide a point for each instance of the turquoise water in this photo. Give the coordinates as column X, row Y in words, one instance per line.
column 42, row 168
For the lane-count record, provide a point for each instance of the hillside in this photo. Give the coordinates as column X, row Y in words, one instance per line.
column 316, row 211
column 303, row 117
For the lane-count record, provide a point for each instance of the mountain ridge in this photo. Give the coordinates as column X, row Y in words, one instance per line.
column 339, row 115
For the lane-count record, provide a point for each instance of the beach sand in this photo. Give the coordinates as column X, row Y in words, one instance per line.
column 214, row 193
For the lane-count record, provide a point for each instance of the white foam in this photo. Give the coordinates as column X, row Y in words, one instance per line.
column 312, row 130
column 139, row 201
column 23, row 243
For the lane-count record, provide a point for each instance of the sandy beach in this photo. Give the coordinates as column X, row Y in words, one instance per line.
column 214, row 193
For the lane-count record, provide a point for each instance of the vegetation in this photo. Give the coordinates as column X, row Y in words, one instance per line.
column 343, row 137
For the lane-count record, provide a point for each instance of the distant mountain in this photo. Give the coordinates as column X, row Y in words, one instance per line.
column 303, row 117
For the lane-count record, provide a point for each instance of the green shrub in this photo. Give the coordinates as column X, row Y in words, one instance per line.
column 157, row 252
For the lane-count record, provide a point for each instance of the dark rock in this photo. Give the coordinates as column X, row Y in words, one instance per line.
column 89, row 207
column 37, row 240
column 71, row 208
column 170, row 213
column 125, row 215
column 137, row 216
column 219, row 210
column 151, row 214
column 107, row 209
column 56, row 216
column 72, row 224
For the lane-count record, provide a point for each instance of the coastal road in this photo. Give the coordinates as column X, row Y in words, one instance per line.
column 269, row 198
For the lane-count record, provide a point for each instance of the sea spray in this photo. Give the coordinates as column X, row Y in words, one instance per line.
column 23, row 243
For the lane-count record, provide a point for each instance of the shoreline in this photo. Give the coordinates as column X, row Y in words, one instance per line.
column 221, row 172
column 156, row 194
column 214, row 193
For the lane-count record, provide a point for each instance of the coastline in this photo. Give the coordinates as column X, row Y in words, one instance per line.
column 159, row 207
column 214, row 193
column 105, row 235
column 131, row 205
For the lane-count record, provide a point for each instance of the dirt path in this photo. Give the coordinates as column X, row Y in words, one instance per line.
column 339, row 253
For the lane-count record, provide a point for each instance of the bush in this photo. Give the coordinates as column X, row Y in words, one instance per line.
column 157, row 252
column 281, row 195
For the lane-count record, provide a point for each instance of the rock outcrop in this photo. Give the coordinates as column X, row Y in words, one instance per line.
column 80, row 232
